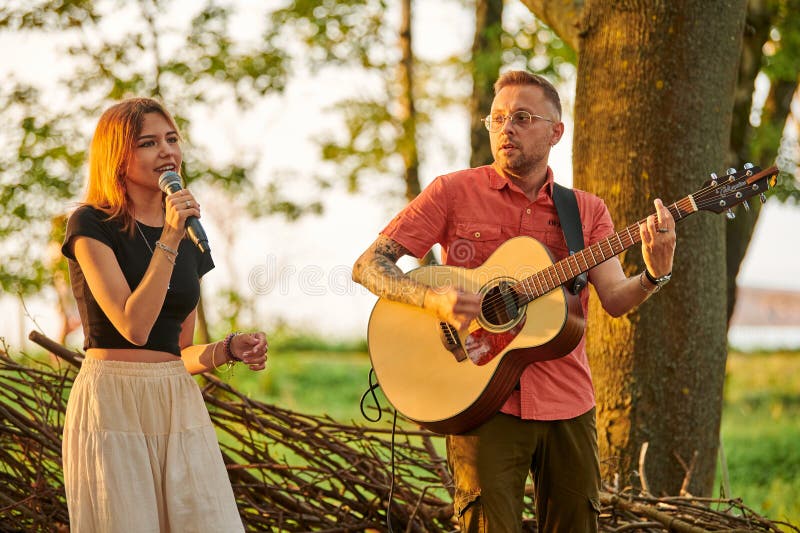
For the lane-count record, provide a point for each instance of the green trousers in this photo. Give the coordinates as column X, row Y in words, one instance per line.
column 490, row 466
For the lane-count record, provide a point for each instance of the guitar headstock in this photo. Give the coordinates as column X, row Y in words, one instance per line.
column 722, row 193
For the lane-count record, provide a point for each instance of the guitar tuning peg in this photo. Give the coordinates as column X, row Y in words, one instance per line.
column 746, row 205
column 762, row 197
column 748, row 166
column 730, row 214
column 730, row 171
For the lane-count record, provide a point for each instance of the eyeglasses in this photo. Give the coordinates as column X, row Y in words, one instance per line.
column 519, row 119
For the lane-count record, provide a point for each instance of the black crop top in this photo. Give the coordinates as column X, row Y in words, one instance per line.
column 133, row 256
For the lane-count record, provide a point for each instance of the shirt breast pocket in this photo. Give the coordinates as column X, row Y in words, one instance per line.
column 554, row 241
column 474, row 242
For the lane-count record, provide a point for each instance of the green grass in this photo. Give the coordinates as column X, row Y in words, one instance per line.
column 312, row 382
column 761, row 432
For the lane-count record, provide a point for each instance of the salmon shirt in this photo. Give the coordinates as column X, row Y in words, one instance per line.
column 470, row 213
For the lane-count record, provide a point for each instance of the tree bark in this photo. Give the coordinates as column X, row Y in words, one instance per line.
column 485, row 63
column 653, row 108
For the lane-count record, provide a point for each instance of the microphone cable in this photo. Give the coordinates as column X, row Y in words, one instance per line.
column 371, row 391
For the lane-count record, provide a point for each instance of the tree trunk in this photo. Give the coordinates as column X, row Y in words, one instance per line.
column 486, row 60
column 408, row 136
column 407, row 142
column 740, row 230
column 759, row 22
column 653, row 108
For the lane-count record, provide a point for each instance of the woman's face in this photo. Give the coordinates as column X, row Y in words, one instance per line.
column 156, row 150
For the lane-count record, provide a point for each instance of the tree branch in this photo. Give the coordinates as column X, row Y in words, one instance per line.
column 563, row 16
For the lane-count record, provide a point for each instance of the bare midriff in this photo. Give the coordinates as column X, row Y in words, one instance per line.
column 131, row 355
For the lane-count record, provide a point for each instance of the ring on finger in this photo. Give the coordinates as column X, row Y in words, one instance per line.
column 188, row 204
column 662, row 230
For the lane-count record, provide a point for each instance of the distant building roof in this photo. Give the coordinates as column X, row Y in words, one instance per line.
column 766, row 307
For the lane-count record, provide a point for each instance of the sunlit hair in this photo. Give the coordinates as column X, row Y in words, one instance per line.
column 522, row 77
column 112, row 146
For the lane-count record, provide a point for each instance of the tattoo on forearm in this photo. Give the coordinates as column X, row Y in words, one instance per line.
column 390, row 249
column 377, row 271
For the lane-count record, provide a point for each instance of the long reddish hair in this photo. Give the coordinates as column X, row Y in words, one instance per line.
column 112, row 145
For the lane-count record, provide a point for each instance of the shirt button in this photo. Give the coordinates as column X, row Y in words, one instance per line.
column 477, row 234
column 528, row 211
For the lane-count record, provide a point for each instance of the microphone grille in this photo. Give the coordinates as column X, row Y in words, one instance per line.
column 168, row 178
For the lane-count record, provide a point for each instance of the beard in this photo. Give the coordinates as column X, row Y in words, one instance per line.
column 518, row 164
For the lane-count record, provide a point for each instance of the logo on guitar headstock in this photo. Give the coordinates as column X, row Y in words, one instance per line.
column 720, row 194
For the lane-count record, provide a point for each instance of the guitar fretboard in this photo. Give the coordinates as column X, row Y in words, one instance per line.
column 566, row 269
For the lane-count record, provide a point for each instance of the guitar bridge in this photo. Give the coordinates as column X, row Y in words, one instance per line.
column 450, row 340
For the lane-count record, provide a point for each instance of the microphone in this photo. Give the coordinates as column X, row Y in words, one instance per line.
column 170, row 182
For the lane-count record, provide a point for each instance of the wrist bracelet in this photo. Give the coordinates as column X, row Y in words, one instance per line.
column 214, row 356
column 642, row 285
column 170, row 257
column 226, row 344
column 166, row 248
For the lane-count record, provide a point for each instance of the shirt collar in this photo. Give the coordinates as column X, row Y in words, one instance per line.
column 497, row 181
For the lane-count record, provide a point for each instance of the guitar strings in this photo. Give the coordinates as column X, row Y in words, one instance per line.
column 701, row 201
column 552, row 271
column 684, row 207
column 543, row 286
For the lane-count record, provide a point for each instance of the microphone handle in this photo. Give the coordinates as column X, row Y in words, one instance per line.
column 197, row 235
column 193, row 227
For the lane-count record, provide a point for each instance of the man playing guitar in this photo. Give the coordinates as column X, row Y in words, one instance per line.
column 547, row 423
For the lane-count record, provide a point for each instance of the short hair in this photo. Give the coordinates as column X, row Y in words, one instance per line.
column 523, row 77
column 111, row 148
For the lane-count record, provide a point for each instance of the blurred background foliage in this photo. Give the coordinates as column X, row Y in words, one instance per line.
column 199, row 63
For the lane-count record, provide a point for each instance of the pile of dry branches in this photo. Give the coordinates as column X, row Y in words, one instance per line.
column 291, row 472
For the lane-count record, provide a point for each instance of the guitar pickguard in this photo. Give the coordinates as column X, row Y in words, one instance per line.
column 482, row 346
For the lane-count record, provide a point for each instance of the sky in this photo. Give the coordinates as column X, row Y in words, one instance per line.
column 300, row 272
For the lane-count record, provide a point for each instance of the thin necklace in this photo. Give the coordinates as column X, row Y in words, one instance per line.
column 152, row 253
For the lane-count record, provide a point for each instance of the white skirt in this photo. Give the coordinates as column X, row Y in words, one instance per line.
column 140, row 453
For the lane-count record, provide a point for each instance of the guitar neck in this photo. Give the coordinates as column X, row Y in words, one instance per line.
column 568, row 268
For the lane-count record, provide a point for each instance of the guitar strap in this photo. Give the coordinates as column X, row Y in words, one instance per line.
column 570, row 219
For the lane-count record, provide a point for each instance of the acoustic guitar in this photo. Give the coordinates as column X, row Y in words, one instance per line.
column 450, row 383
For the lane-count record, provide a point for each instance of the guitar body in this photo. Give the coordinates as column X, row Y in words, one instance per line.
column 448, row 392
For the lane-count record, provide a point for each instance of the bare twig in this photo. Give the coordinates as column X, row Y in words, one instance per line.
column 295, row 472
column 642, row 476
column 687, row 478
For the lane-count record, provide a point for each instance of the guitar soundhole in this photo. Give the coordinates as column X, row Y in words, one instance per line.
column 500, row 307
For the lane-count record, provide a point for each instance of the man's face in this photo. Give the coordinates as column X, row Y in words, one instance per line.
column 518, row 148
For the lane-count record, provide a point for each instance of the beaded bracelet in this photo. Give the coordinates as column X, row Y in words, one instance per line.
column 226, row 345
